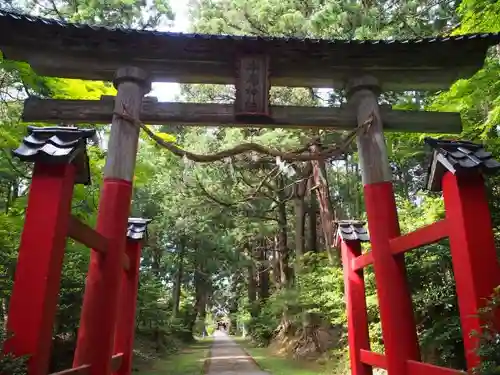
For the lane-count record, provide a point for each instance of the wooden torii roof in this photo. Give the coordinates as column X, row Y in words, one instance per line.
column 69, row 50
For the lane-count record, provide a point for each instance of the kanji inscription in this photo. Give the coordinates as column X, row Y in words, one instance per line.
column 252, row 86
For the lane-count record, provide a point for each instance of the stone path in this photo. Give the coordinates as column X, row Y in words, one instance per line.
column 227, row 358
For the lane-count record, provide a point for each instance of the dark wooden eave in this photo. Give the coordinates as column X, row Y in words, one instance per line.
column 80, row 51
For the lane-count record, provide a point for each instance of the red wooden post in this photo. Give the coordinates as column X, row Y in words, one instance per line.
column 100, row 304
column 355, row 298
column 396, row 309
column 456, row 167
column 475, row 263
column 41, row 252
column 36, row 286
column 125, row 326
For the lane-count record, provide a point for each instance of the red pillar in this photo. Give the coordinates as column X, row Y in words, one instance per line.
column 38, row 271
column 100, row 303
column 396, row 308
column 475, row 263
column 357, row 318
column 125, row 326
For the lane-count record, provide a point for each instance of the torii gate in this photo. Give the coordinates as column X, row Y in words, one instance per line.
column 132, row 59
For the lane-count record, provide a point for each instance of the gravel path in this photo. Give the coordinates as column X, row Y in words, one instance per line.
column 227, row 358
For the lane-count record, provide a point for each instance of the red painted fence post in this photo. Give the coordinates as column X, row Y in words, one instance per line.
column 41, row 252
column 475, row 263
column 125, row 326
column 351, row 234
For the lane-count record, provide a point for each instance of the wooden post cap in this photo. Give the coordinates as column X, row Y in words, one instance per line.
column 363, row 83
column 134, row 74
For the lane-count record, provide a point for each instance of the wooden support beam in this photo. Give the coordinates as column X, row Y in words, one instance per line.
column 163, row 113
column 373, row 359
column 420, row 368
column 422, row 236
column 362, row 261
column 89, row 237
column 86, row 235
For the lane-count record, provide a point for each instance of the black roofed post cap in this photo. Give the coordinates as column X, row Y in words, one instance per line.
column 456, row 157
column 353, row 230
column 137, row 228
column 58, row 145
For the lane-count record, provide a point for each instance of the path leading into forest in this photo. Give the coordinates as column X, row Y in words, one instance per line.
column 228, row 358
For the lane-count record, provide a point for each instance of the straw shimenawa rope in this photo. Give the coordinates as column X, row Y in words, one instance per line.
column 328, row 153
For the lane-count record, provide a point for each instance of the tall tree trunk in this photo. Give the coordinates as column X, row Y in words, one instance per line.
column 358, row 192
column 300, row 213
column 300, row 223
column 263, row 274
column 277, row 263
column 283, row 235
column 252, row 282
column 201, row 292
column 233, row 302
column 312, row 212
column 156, row 254
column 327, row 213
column 178, row 279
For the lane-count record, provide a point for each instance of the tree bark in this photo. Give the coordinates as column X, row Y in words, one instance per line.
column 277, row 263
column 300, row 222
column 300, row 213
column 263, row 274
column 251, row 282
column 312, row 212
column 178, row 279
column 283, row 235
column 327, row 213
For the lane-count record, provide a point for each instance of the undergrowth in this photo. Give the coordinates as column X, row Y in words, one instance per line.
column 489, row 337
column 10, row 364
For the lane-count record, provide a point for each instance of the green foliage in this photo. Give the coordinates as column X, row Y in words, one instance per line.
column 10, row 364
column 262, row 328
column 489, row 337
column 321, row 289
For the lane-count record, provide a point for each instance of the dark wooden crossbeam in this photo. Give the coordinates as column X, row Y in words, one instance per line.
column 166, row 113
